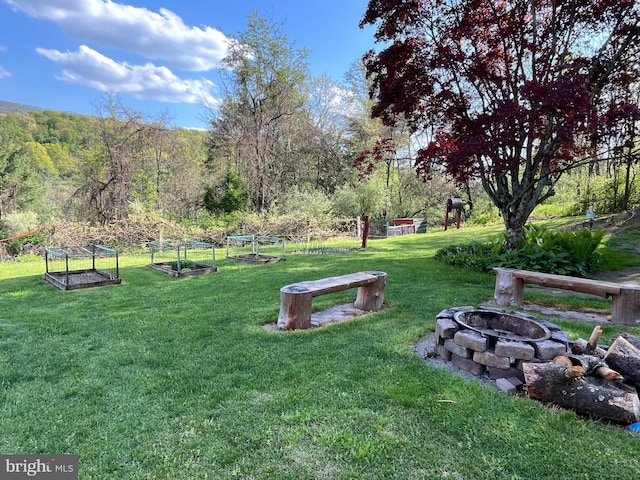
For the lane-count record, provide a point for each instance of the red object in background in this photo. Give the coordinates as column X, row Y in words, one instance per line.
column 403, row 221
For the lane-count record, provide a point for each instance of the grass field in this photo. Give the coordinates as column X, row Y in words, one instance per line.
column 167, row 378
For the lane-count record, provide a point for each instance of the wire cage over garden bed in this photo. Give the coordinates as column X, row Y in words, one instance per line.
column 181, row 258
column 70, row 268
column 255, row 248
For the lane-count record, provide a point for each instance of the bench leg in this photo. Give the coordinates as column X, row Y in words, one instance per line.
column 509, row 290
column 371, row 297
column 295, row 311
column 625, row 308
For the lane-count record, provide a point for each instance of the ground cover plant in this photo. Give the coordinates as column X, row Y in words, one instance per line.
column 176, row 378
column 558, row 251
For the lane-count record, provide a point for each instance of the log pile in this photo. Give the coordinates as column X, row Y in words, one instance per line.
column 592, row 381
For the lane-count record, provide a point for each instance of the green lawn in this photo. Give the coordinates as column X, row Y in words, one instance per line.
column 166, row 378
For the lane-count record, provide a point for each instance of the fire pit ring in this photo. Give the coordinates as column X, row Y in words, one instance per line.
column 502, row 325
column 486, row 340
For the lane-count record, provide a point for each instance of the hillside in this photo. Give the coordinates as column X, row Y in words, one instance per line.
column 11, row 107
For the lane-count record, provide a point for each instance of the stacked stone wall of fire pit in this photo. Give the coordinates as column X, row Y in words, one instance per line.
column 490, row 341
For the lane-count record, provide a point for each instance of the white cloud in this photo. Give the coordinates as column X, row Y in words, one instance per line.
column 158, row 35
column 4, row 72
column 88, row 67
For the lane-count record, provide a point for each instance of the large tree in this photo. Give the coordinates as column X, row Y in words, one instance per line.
column 264, row 90
column 511, row 92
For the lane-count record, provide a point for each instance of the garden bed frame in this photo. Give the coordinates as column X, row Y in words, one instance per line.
column 83, row 267
column 246, row 248
column 189, row 257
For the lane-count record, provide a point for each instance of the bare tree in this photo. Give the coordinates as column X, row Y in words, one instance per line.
column 112, row 173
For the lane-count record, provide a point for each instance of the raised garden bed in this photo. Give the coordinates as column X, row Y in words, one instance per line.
column 255, row 249
column 183, row 258
column 71, row 268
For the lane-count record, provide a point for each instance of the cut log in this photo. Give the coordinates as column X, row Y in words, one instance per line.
column 370, row 297
column 563, row 360
column 591, row 364
column 625, row 308
column 625, row 358
column 608, row 374
column 564, row 282
column 632, row 339
column 594, row 338
column 509, row 290
column 295, row 310
column 551, row 382
column 582, row 347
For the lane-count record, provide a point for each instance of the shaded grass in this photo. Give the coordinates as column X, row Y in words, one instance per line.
column 176, row 379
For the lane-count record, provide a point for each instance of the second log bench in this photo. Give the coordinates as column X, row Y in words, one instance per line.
column 296, row 299
column 625, row 299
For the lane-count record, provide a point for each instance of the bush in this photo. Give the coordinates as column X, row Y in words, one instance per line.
column 561, row 252
column 15, row 224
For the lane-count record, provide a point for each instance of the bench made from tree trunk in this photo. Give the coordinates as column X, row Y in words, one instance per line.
column 296, row 299
column 625, row 299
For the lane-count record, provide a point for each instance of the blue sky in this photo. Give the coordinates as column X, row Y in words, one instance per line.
column 156, row 55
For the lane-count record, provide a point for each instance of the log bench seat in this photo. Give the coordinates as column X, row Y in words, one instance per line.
column 296, row 299
column 625, row 299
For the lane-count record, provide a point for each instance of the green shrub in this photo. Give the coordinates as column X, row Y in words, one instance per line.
column 562, row 252
column 184, row 265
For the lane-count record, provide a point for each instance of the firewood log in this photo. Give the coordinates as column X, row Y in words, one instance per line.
column 581, row 347
column 608, row 374
column 625, row 358
column 556, row 383
column 632, row 339
column 594, row 338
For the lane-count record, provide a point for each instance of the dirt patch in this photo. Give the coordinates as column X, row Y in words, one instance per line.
column 330, row 316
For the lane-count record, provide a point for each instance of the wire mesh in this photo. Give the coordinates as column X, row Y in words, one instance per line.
column 183, row 257
column 80, row 267
column 255, row 248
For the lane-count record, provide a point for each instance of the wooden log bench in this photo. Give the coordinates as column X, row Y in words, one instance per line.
column 625, row 299
column 296, row 299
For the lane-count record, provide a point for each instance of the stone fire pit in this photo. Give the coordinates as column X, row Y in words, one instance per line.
column 517, row 350
column 491, row 341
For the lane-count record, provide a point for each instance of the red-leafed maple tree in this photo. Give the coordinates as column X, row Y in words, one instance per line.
column 512, row 92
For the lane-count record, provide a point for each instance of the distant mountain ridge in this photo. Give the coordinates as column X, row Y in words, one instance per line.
column 11, row 107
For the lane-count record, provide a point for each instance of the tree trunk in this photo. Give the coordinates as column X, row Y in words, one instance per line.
column 515, row 232
column 514, row 210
